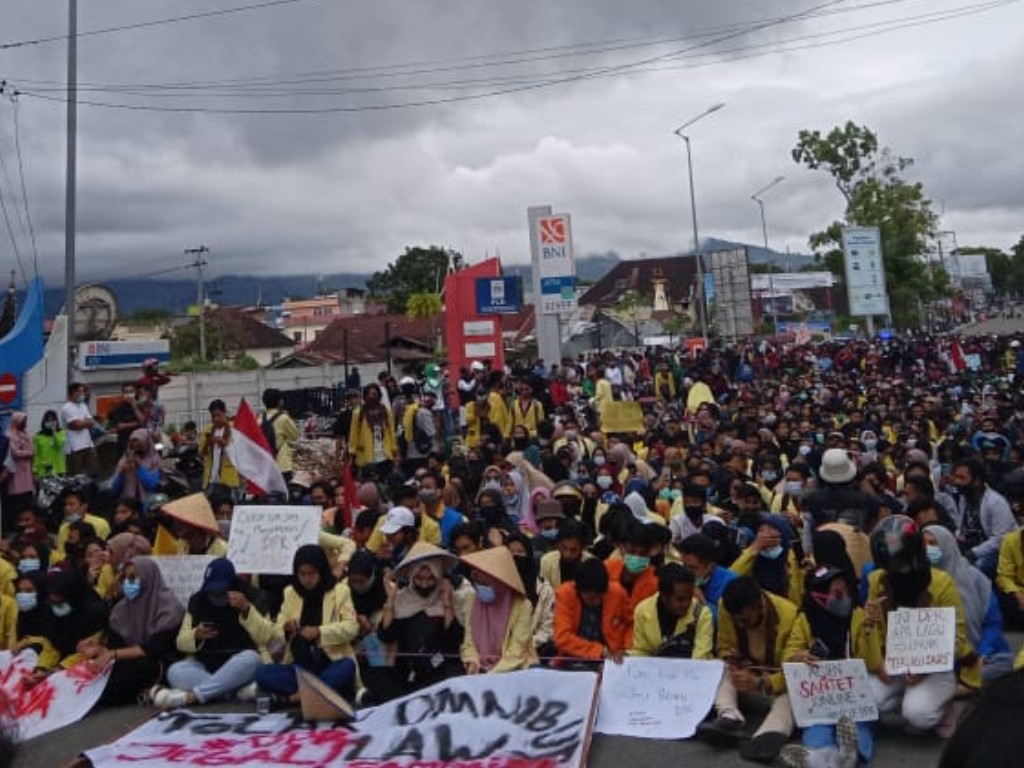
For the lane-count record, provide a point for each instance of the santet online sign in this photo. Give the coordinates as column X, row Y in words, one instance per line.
column 557, row 268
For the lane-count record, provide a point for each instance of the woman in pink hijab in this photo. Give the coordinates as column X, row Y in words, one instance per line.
column 18, row 465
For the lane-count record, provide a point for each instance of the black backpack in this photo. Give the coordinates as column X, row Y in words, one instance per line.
column 267, row 425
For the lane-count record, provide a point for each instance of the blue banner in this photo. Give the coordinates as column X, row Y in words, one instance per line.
column 499, row 295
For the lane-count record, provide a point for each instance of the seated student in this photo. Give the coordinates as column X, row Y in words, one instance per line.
column 76, row 507
column 989, row 734
column 8, row 621
column 833, row 627
column 591, row 616
column 562, row 564
column 365, row 581
column 499, row 623
column 699, row 556
column 33, row 629
column 222, row 656
column 317, row 621
column 363, row 525
column 140, row 636
column 98, row 572
column 754, row 627
column 422, row 620
column 125, row 547
column 538, row 592
column 770, row 559
column 672, row 623
column 467, row 538
column 195, row 526
column 79, row 615
column 32, row 557
column 634, row 572
column 904, row 578
column 137, row 474
column 127, row 515
column 1010, row 579
column 549, row 515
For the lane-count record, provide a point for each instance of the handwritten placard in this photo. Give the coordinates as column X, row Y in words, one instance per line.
column 652, row 698
column 264, row 539
column 622, row 416
column 825, row 691
column 920, row 641
column 183, row 574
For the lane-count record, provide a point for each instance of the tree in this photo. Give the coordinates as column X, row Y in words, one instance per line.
column 424, row 304
column 1006, row 269
column 418, row 270
column 870, row 179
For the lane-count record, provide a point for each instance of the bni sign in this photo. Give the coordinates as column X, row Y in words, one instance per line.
column 556, row 265
column 499, row 295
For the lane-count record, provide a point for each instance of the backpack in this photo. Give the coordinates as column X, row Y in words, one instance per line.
column 267, row 426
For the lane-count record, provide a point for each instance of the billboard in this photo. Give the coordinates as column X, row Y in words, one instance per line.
column 733, row 312
column 99, row 355
column 555, row 264
column 499, row 295
column 865, row 271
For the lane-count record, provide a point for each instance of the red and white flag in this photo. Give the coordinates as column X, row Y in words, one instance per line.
column 250, row 453
column 957, row 356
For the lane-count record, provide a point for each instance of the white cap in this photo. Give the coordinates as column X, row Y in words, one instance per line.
column 396, row 519
column 476, row 365
column 407, row 381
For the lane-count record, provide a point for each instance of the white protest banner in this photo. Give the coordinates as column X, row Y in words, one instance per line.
column 652, row 698
column 60, row 699
column 531, row 719
column 264, row 539
column 920, row 641
column 183, row 574
column 823, row 692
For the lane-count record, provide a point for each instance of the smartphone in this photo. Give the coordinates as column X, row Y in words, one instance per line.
column 819, row 650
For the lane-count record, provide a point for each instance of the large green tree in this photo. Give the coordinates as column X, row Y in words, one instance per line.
column 871, row 180
column 418, row 270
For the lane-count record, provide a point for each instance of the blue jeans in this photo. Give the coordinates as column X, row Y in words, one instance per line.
column 236, row 672
column 819, row 736
column 987, row 564
column 283, row 680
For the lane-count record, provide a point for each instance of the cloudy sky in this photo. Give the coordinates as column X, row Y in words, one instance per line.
column 345, row 186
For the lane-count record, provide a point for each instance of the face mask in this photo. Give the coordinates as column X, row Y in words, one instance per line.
column 486, row 594
column 870, row 445
column 423, row 591
column 804, row 450
column 794, row 488
column 772, row 554
column 511, row 502
column 521, row 443
column 911, row 442
column 51, row 425
column 131, row 589
column 143, row 399
column 492, row 485
column 599, row 461
column 694, row 512
column 551, row 534
column 28, row 564
column 665, row 494
column 604, row 482
column 570, row 434
column 700, row 581
column 428, row 497
column 841, row 607
column 72, row 519
column 80, row 399
column 636, row 563
column 770, row 476
column 27, row 601
column 60, row 610
column 819, row 437
column 363, row 589
column 676, row 494
column 934, row 554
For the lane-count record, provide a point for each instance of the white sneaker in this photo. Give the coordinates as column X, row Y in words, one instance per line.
column 169, row 698
column 247, row 692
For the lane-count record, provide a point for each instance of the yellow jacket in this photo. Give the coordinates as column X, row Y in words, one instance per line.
column 529, row 419
column 8, row 577
column 430, row 532
column 337, row 632
column 729, row 641
column 517, row 650
column 865, row 642
column 744, row 566
column 101, row 526
column 499, row 415
column 1010, row 573
column 647, row 637
column 603, row 394
column 106, row 585
column 664, row 380
column 8, row 623
column 186, row 640
column 360, row 438
column 228, row 474
column 285, row 433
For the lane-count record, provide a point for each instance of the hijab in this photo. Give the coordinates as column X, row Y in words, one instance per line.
column 155, row 610
column 17, row 436
column 38, row 621
column 527, row 566
column 88, row 614
column 125, row 547
column 312, row 599
column 830, row 551
column 409, row 602
column 520, row 511
column 489, row 622
column 364, row 563
column 535, row 479
column 975, row 588
column 773, row 575
column 148, row 459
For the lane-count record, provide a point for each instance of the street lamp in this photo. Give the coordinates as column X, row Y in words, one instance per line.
column 702, row 309
column 757, row 198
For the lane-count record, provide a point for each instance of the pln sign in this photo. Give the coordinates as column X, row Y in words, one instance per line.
column 556, row 264
column 499, row 295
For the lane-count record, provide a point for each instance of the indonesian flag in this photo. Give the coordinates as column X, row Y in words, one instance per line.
column 957, row 356
column 249, row 452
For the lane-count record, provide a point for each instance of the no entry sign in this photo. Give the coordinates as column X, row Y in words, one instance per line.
column 8, row 388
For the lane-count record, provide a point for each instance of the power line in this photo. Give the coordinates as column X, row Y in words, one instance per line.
column 24, row 188
column 524, row 83
column 10, row 235
column 152, row 23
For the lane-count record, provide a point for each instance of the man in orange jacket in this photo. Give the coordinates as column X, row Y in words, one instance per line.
column 592, row 616
column 634, row 572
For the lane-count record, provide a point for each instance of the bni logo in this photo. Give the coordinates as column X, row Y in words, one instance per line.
column 552, row 231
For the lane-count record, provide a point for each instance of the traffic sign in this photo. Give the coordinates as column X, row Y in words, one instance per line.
column 8, row 388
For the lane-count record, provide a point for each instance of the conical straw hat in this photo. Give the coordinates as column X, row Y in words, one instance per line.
column 319, row 701
column 194, row 510
column 499, row 564
column 421, row 551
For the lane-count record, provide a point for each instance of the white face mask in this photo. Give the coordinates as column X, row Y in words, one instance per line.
column 604, row 482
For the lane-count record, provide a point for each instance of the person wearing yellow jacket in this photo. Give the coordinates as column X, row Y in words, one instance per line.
column 499, row 620
column 317, row 621
column 526, row 410
column 1010, row 579
column 664, row 382
column 671, row 623
column 904, row 578
column 754, row 627
column 832, row 627
column 32, row 621
column 371, row 437
column 213, row 441
column 770, row 560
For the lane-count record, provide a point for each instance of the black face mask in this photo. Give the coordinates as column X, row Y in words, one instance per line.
column 521, row 443
column 424, row 591
column 568, row 568
column 695, row 513
column 217, row 599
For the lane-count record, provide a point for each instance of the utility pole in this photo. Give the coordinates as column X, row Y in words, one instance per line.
column 198, row 254
column 70, row 182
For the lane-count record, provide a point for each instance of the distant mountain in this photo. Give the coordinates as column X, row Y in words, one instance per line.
column 791, row 262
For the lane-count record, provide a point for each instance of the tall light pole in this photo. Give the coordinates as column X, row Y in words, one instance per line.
column 70, row 186
column 757, row 198
column 702, row 309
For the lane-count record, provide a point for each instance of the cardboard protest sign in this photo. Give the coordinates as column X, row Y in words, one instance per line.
column 264, row 539
column 63, row 698
column 183, row 574
column 622, row 416
column 822, row 693
column 920, row 641
column 531, row 719
column 652, row 698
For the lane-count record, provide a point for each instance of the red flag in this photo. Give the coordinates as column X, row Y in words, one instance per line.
column 250, row 453
column 957, row 354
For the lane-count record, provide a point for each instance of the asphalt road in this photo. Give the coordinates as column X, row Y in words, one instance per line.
column 62, row 748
